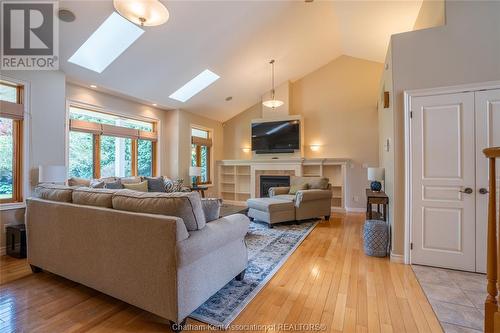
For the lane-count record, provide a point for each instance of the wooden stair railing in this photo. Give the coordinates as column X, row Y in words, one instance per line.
column 491, row 305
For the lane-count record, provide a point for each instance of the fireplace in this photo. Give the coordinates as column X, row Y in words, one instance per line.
column 266, row 182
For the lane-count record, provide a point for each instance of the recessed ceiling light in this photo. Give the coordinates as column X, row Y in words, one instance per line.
column 154, row 104
column 110, row 40
column 197, row 84
column 93, row 86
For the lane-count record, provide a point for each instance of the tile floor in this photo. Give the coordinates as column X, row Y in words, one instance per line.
column 456, row 297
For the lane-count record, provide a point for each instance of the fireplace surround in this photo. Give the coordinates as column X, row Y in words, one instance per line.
column 268, row 181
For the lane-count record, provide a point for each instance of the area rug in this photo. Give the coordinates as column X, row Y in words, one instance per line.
column 268, row 250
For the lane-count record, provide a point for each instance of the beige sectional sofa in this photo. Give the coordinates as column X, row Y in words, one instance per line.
column 156, row 251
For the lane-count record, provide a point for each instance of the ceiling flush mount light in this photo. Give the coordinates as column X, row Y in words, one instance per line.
column 110, row 40
column 197, row 84
column 142, row 12
column 154, row 104
column 93, row 86
column 272, row 103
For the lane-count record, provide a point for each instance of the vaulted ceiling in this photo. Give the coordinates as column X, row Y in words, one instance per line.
column 234, row 39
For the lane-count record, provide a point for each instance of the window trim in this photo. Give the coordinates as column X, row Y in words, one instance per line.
column 97, row 136
column 23, row 149
column 210, row 152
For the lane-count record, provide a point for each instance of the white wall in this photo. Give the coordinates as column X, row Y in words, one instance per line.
column 465, row 50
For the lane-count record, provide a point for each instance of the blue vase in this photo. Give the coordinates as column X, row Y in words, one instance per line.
column 376, row 186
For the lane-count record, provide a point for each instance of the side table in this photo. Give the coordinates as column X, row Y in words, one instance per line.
column 376, row 198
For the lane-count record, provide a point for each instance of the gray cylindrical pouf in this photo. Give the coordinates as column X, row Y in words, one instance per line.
column 376, row 238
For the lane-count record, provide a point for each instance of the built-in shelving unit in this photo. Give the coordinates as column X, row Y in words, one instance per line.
column 238, row 178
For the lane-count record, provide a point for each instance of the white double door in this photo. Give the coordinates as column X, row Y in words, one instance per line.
column 449, row 177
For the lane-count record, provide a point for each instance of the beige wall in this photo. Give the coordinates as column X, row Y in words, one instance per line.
column 186, row 120
column 465, row 50
column 338, row 103
column 113, row 104
column 386, row 132
column 431, row 15
column 46, row 130
column 237, row 133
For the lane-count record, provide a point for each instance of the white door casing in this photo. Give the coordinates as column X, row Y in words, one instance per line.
column 443, row 154
column 487, row 106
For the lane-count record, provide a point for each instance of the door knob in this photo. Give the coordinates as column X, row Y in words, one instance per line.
column 467, row 190
column 483, row 191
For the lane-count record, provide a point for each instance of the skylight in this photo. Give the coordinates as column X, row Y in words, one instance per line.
column 110, row 40
column 197, row 84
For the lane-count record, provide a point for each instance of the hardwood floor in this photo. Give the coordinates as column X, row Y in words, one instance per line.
column 327, row 281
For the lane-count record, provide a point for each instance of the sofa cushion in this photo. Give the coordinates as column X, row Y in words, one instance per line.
column 75, row 181
column 270, row 204
column 288, row 197
column 61, row 193
column 214, row 236
column 320, row 183
column 141, row 187
column 184, row 205
column 155, row 184
column 116, row 185
column 99, row 197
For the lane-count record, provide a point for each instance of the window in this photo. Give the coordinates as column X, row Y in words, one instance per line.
column 105, row 145
column 11, row 133
column 201, row 144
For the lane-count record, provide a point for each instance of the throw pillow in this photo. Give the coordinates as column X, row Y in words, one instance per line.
column 131, row 180
column 155, row 184
column 298, row 187
column 172, row 186
column 116, row 185
column 75, row 181
column 141, row 187
column 95, row 183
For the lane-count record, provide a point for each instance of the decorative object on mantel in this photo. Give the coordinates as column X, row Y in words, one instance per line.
column 142, row 12
column 195, row 172
column 272, row 103
column 51, row 174
column 376, row 175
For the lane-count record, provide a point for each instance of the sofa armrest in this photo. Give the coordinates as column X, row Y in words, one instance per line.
column 312, row 195
column 211, row 208
column 278, row 190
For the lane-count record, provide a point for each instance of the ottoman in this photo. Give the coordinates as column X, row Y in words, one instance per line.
column 271, row 210
column 376, row 238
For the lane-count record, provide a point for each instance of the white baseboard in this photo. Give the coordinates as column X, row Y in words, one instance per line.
column 397, row 258
column 337, row 210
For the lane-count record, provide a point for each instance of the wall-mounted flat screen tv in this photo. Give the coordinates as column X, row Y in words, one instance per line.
column 276, row 137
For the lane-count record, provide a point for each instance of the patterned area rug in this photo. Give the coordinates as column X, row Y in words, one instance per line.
column 268, row 249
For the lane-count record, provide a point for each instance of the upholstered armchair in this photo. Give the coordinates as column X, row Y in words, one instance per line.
column 312, row 196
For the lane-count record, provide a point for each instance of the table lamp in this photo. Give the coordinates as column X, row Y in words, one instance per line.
column 195, row 172
column 51, row 174
column 376, row 175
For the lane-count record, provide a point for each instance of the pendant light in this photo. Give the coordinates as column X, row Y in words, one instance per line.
column 272, row 103
column 142, row 12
